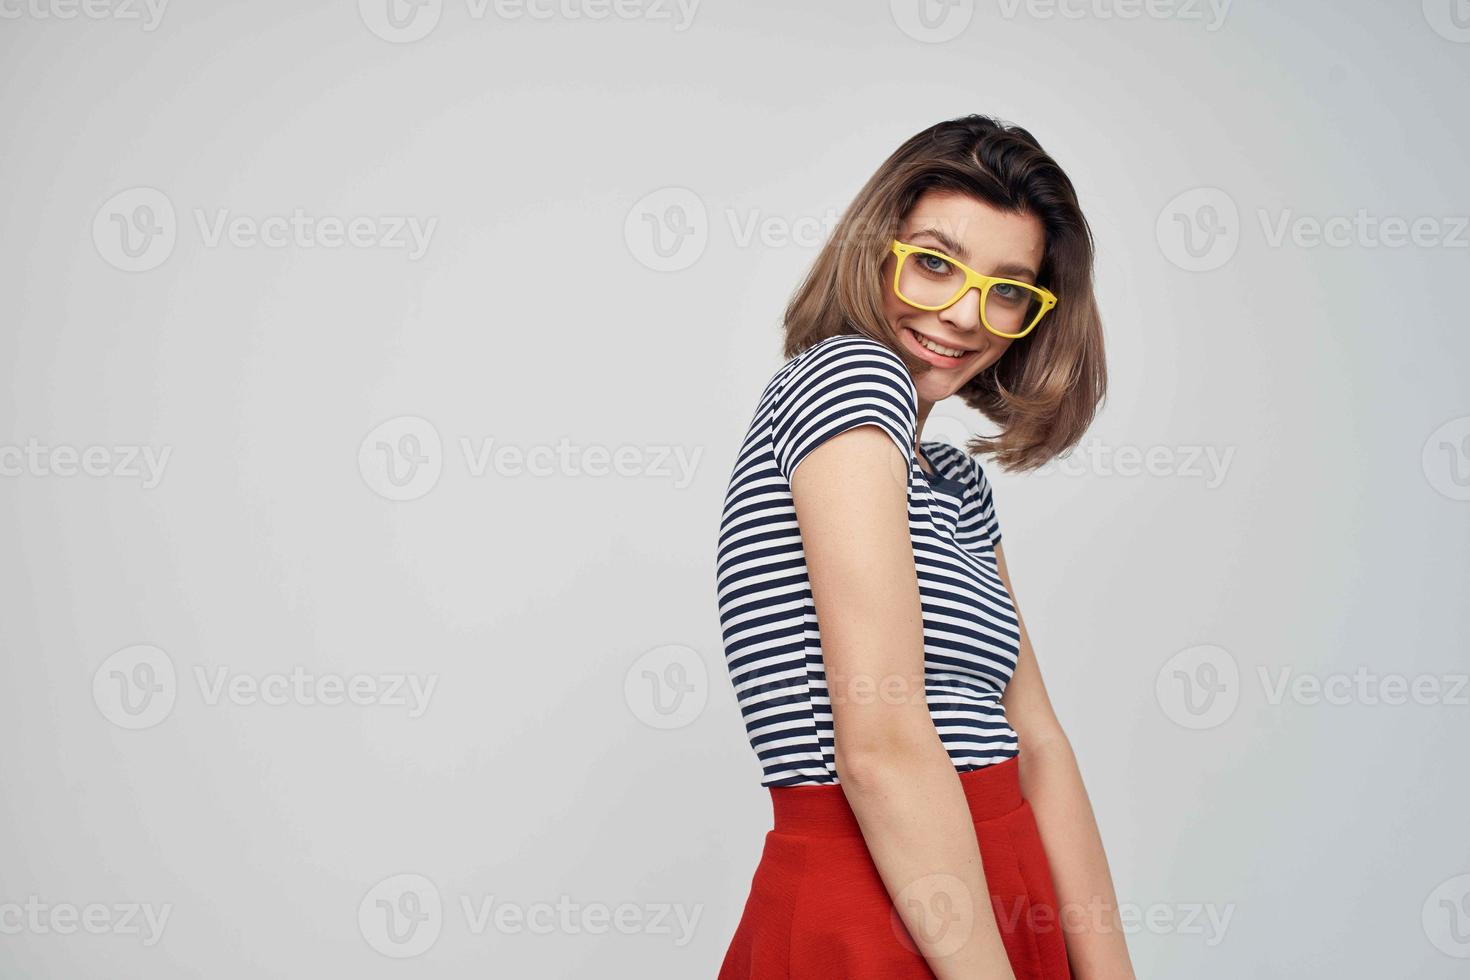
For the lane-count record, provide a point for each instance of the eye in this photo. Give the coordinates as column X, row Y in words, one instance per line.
column 1007, row 291
column 933, row 263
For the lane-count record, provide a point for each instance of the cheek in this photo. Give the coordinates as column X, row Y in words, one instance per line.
column 893, row 308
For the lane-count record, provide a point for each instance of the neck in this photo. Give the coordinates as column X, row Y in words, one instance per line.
column 924, row 409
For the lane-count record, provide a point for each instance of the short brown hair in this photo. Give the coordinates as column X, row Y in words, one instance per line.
column 1045, row 390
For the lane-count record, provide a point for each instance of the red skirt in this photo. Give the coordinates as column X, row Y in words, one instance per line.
column 818, row 908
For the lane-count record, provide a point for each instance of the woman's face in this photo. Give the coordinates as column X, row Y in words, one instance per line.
column 990, row 241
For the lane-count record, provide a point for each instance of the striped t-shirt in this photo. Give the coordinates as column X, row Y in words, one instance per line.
column 771, row 636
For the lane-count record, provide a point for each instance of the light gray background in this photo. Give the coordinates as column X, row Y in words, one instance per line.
column 581, row 745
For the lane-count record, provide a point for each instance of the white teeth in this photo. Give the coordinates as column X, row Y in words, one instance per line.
column 938, row 348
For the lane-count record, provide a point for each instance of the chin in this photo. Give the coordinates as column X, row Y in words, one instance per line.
column 931, row 390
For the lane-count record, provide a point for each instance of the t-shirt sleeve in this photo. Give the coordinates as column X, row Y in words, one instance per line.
column 850, row 381
column 988, row 520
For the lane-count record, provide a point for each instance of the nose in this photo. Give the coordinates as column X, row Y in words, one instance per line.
column 964, row 314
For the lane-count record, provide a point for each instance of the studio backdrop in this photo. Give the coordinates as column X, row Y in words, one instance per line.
column 375, row 372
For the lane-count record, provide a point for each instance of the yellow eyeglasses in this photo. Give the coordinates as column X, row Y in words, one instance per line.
column 930, row 280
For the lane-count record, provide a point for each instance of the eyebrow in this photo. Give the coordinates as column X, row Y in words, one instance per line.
column 1009, row 270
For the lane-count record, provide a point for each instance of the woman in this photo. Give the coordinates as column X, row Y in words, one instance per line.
column 929, row 817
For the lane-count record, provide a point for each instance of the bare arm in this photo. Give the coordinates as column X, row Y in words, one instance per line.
column 1052, row 783
column 851, row 503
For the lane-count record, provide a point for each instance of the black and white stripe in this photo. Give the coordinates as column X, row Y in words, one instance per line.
column 772, row 644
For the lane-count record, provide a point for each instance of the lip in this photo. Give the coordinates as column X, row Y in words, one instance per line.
column 936, row 359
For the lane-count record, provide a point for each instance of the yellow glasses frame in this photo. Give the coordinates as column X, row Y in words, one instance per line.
column 973, row 280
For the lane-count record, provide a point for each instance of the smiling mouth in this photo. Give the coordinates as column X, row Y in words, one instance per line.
column 938, row 348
